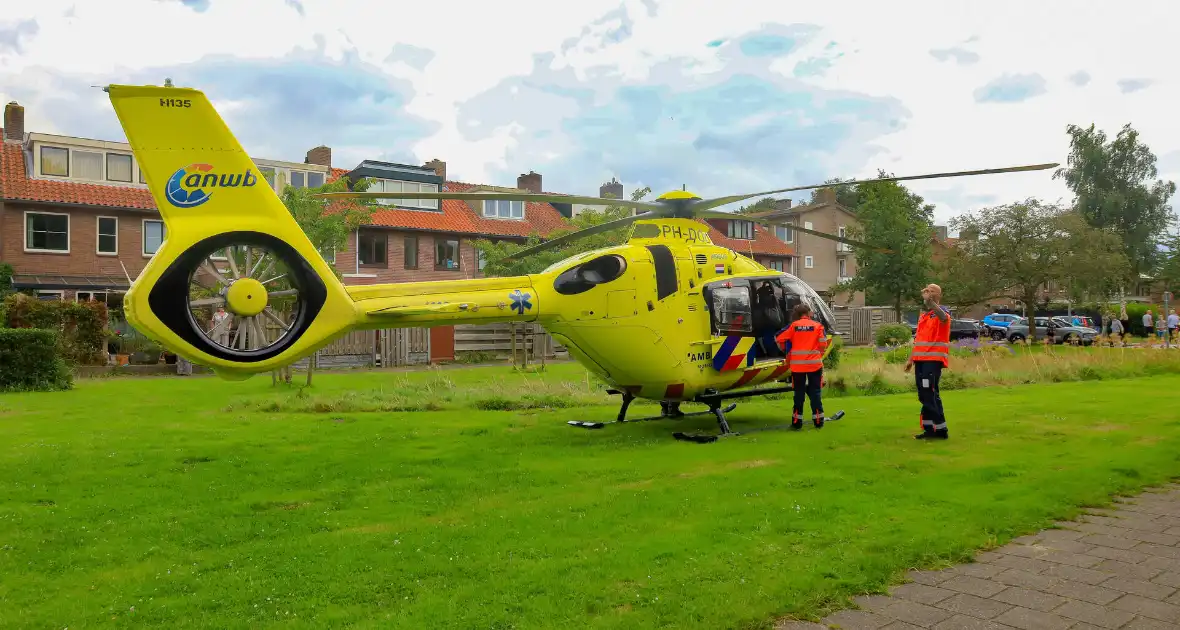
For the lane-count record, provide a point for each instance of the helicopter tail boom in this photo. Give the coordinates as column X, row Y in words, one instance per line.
column 447, row 302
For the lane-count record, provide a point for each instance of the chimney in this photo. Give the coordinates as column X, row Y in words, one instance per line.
column 782, row 204
column 613, row 187
column 529, row 181
column 321, row 155
column 940, row 232
column 14, row 122
column 826, row 195
column 440, row 168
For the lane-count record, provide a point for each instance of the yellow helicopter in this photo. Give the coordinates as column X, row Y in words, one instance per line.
column 667, row 316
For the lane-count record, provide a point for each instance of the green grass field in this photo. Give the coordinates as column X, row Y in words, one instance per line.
column 184, row 503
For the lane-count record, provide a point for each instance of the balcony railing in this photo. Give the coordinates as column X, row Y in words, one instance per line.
column 843, row 248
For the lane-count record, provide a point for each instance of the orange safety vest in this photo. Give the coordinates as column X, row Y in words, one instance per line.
column 808, row 343
column 932, row 341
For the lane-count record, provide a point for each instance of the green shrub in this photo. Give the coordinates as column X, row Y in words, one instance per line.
column 898, row 355
column 81, row 326
column 29, row 361
column 894, row 335
column 832, row 361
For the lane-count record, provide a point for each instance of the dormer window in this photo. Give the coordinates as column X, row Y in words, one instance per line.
column 86, row 164
column 503, row 209
column 741, row 229
column 395, row 186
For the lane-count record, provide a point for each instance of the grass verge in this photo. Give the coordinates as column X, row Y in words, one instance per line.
column 175, row 503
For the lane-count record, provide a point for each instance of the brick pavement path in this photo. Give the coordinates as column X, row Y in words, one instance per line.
column 1115, row 568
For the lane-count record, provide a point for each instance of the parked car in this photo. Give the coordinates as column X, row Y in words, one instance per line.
column 960, row 329
column 997, row 324
column 1063, row 331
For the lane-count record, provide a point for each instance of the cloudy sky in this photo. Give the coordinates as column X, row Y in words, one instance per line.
column 726, row 97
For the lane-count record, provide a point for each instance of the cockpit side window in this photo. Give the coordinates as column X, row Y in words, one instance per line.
column 666, row 281
column 586, row 276
column 731, row 310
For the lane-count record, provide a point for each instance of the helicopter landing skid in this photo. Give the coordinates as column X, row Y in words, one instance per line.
column 670, row 412
column 714, row 402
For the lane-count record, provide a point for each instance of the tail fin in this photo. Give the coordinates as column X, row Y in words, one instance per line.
column 212, row 196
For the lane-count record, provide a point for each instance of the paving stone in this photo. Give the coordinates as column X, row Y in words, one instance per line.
column 1163, row 564
column 1029, row 598
column 857, row 620
column 988, row 556
column 1028, row 619
column 973, row 606
column 1147, row 623
column 1168, row 578
column 930, row 578
column 1092, row 613
column 1031, row 565
column 922, row 593
column 1077, row 574
column 1122, row 555
column 1144, row 607
column 1104, row 540
column 901, row 625
column 873, row 603
column 915, row 613
column 800, row 625
column 1073, row 546
column 1072, row 559
column 1137, row 571
column 981, row 570
column 1139, row 587
column 1016, row 577
column 973, row 586
column 963, row 622
column 1085, row 592
column 1155, row 550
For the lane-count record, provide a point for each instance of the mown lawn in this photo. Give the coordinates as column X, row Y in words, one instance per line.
column 186, row 503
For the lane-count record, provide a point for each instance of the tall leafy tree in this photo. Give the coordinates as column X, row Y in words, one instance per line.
column 1016, row 250
column 890, row 216
column 847, row 195
column 1114, row 188
column 494, row 251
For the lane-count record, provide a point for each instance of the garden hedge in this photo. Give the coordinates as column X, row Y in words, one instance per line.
column 29, row 361
column 81, row 326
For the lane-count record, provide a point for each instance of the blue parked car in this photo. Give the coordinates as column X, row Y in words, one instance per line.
column 998, row 323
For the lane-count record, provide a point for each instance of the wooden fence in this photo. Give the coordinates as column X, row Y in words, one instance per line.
column 529, row 341
column 390, row 347
column 859, row 324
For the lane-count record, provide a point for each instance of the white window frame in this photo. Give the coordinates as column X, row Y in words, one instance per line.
column 105, row 295
column 843, row 262
column 775, row 264
column 808, row 262
column 69, row 233
column 808, row 226
column 98, row 234
column 788, row 233
column 143, row 236
column 495, row 214
column 378, row 185
column 736, row 227
column 61, row 295
column 106, row 170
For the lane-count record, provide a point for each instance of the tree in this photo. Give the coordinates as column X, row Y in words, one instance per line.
column 1017, row 249
column 1111, row 182
column 327, row 224
column 847, row 195
column 762, row 205
column 494, row 251
column 892, row 217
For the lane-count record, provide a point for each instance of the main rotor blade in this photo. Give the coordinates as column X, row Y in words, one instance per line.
column 705, row 204
column 504, row 196
column 590, row 231
column 712, row 214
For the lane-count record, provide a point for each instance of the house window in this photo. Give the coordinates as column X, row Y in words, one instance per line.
column 807, row 225
column 47, row 232
column 51, row 295
column 394, row 186
column 91, row 296
column 446, row 254
column 268, row 173
column 372, row 247
column 481, row 259
column 784, row 233
column 119, row 167
column 808, row 262
column 411, row 252
column 55, row 161
column 298, row 179
column 777, row 265
column 153, row 236
column 315, row 180
column 108, row 235
column 503, row 209
column 88, row 165
column 141, row 179
column 741, row 229
column 843, row 267
column 329, row 255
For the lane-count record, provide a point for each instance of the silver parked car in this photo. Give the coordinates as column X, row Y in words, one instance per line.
column 1059, row 329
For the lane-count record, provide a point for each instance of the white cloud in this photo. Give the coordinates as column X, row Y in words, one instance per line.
column 879, row 51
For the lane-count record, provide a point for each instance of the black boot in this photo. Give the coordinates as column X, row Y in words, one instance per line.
column 818, row 421
column 941, row 434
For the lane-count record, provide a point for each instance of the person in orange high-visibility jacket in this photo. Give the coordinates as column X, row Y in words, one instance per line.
column 931, row 353
column 804, row 342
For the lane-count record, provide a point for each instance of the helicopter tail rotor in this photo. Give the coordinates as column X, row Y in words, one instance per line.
column 230, row 246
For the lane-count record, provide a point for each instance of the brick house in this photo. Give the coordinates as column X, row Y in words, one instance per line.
column 820, row 262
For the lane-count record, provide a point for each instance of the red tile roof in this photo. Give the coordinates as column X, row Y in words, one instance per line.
column 16, row 185
column 456, row 216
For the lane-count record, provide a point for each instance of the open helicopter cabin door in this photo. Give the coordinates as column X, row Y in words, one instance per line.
column 744, row 316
